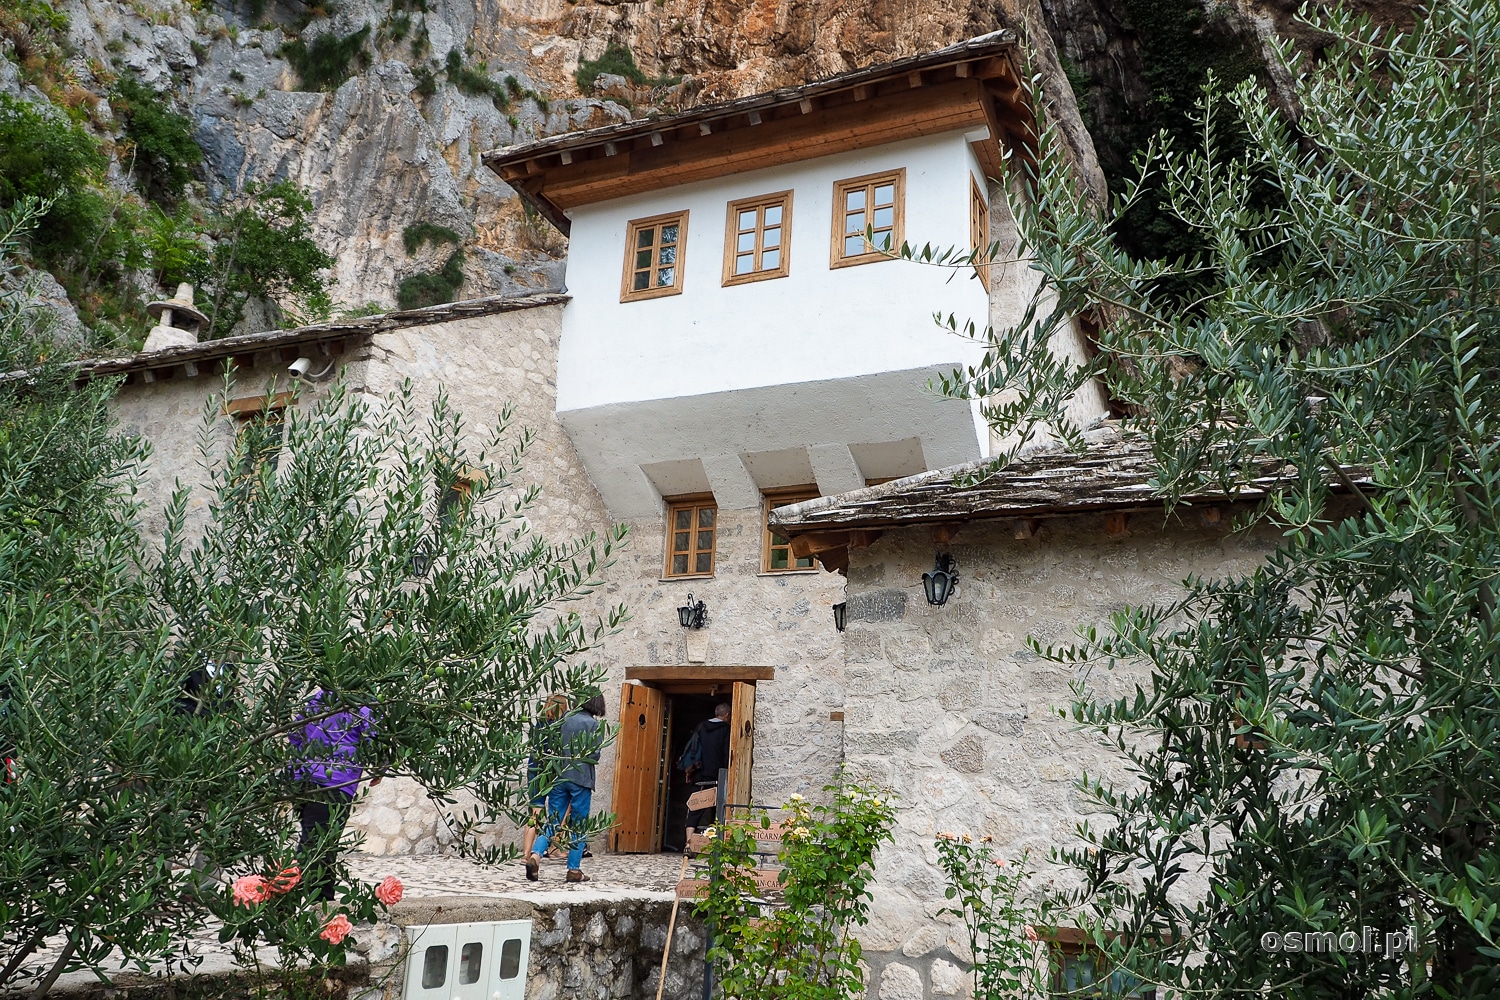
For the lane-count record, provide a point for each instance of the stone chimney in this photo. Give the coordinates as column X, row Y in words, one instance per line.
column 177, row 322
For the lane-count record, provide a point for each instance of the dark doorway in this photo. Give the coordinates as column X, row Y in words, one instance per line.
column 687, row 712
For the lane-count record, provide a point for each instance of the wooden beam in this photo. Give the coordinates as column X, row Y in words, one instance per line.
column 566, row 156
column 720, row 674
column 861, row 93
column 754, row 117
column 704, row 128
column 656, row 139
column 914, row 80
column 863, row 539
column 610, row 149
column 806, row 105
column 1116, row 524
column 942, row 534
column 961, row 70
column 255, row 404
column 190, row 369
column 815, row 542
column 952, row 106
column 1026, row 527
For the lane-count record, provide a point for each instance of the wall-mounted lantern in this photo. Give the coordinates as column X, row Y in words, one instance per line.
column 940, row 583
column 420, row 562
column 693, row 614
column 840, row 615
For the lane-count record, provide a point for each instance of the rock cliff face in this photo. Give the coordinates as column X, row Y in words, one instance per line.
column 398, row 141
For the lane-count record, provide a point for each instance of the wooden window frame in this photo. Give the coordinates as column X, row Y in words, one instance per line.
column 781, row 498
column 897, row 177
column 1070, row 942
column 732, row 233
column 979, row 228
column 694, row 502
column 270, row 410
column 628, row 292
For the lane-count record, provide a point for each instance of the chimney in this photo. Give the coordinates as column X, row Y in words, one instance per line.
column 177, row 322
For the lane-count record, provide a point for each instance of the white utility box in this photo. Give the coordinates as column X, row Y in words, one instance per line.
column 484, row 961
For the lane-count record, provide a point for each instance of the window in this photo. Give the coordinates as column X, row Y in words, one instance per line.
column 757, row 238
column 979, row 228
column 259, row 425
column 655, row 250
column 1079, row 971
column 692, row 523
column 455, row 497
column 777, row 554
column 874, row 201
column 435, row 967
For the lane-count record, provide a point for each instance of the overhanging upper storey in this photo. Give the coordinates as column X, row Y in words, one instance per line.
column 973, row 87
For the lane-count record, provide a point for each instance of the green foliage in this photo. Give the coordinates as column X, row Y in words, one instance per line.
column 988, row 894
column 328, row 60
column 1316, row 747
column 475, row 82
column 165, row 151
column 419, row 233
column 45, row 156
column 266, row 250
column 804, row 948
column 37, row 33
column 430, row 288
column 619, row 60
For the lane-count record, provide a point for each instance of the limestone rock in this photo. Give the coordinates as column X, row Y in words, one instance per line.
column 948, row 980
column 900, row 982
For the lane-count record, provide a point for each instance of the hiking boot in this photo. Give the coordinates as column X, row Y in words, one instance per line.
column 575, row 875
column 533, row 867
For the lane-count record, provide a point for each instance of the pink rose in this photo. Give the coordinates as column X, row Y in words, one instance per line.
column 286, row 880
column 336, row 929
column 389, row 890
column 250, row 890
column 1030, row 933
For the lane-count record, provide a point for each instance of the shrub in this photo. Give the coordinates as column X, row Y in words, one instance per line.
column 619, row 60
column 165, row 150
column 328, row 60
column 418, row 233
column 430, row 288
column 266, row 251
column 474, row 82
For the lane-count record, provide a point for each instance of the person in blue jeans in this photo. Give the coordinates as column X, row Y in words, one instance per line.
column 568, row 803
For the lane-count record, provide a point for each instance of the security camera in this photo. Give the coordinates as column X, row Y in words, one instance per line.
column 302, row 369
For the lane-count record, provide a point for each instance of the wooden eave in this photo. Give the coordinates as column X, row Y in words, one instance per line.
column 974, row 86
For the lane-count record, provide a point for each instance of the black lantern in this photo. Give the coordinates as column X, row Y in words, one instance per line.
column 421, row 559
column 693, row 614
column 840, row 615
column 940, row 582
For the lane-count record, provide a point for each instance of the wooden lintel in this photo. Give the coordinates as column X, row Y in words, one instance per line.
column 942, row 534
column 246, row 405
column 1116, row 523
column 815, row 542
column 723, row 674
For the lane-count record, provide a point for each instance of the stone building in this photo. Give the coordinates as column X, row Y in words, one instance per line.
column 732, row 348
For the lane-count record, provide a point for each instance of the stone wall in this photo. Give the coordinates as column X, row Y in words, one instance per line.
column 949, row 709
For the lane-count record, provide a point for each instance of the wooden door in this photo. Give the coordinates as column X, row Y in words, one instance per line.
column 638, row 770
column 741, row 742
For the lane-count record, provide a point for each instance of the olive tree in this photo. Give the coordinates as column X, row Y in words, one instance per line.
column 1317, row 749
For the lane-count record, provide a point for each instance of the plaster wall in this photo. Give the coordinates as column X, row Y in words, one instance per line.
column 816, row 323
column 949, row 709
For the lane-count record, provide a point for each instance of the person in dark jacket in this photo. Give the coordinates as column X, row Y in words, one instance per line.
column 568, row 804
column 543, row 749
column 713, row 740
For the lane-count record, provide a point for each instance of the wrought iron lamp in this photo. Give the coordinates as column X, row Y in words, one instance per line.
column 941, row 582
column 840, row 615
column 420, row 562
column 693, row 614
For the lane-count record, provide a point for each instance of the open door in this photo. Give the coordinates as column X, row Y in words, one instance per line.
column 639, row 761
column 741, row 742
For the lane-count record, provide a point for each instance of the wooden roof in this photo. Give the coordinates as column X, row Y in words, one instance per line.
column 972, row 86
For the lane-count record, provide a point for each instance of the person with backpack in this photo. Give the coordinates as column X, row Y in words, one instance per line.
column 579, row 740
column 707, row 752
column 544, row 750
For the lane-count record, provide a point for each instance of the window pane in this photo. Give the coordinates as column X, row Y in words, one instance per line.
column 705, row 540
column 854, row 246
column 854, row 222
column 885, row 194
column 435, row 967
column 642, row 259
column 706, row 516
column 470, row 957
column 645, row 237
column 746, row 242
column 669, row 233
column 667, row 255
column 744, row 263
column 683, row 518
column 679, row 564
column 770, row 260
column 882, row 241
column 747, row 219
column 510, row 959
column 885, row 218
column 642, row 280
column 772, row 238
column 854, row 199
column 705, row 563
column 666, row 277
column 778, row 558
column 680, row 541
column 773, row 215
